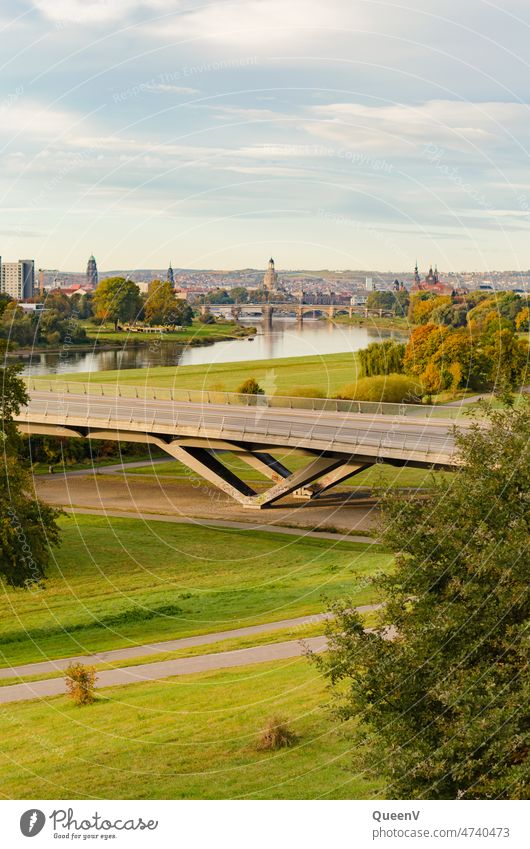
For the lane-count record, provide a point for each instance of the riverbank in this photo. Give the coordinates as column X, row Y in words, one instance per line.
column 402, row 326
column 107, row 339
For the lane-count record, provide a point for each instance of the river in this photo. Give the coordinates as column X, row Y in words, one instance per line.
column 286, row 338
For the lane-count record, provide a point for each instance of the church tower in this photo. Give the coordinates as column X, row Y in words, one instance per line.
column 92, row 273
column 270, row 279
column 170, row 275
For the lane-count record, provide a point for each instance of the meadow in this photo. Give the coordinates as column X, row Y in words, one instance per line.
column 193, row 737
column 327, row 373
column 122, row 582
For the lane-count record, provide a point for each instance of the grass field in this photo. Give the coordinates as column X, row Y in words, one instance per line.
column 183, row 738
column 328, row 373
column 119, row 582
column 198, row 332
column 379, row 475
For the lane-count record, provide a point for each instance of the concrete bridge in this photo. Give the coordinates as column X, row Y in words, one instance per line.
column 338, row 442
column 267, row 310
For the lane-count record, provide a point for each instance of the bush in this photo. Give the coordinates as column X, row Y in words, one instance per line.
column 80, row 683
column 391, row 388
column 250, row 386
column 306, row 392
column 276, row 735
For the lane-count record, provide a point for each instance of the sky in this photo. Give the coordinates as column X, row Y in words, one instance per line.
column 351, row 134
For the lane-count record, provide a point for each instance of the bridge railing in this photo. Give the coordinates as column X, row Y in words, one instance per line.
column 215, row 424
column 203, row 396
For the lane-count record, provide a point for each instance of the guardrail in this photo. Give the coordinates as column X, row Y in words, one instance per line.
column 203, row 396
column 74, row 413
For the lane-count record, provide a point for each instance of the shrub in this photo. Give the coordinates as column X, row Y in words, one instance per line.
column 306, row 392
column 250, row 386
column 80, row 683
column 391, row 388
column 276, row 735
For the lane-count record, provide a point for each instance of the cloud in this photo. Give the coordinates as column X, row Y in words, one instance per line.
column 268, row 24
column 98, row 11
column 458, row 124
column 176, row 89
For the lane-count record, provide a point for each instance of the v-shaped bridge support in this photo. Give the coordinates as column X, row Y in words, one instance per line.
column 331, row 469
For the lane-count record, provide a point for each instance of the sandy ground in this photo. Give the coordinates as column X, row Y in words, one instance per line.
column 339, row 510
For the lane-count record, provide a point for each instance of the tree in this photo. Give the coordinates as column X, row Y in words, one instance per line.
column 522, row 322
column 5, row 299
column 117, row 299
column 239, row 294
column 382, row 358
column 162, row 307
column 398, row 302
column 508, row 359
column 440, row 689
column 27, row 526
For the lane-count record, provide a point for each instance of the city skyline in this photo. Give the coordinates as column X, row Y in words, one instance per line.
column 355, row 141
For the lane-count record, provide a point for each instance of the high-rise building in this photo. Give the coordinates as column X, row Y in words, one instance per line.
column 270, row 279
column 170, row 275
column 17, row 279
column 92, row 273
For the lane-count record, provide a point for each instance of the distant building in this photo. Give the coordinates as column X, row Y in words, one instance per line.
column 270, row 279
column 92, row 273
column 170, row 275
column 431, row 283
column 369, row 284
column 17, row 279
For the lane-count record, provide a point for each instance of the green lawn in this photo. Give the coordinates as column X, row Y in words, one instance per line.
column 198, row 332
column 379, row 475
column 119, row 582
column 328, row 373
column 192, row 737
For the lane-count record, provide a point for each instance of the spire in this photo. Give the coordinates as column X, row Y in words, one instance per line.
column 170, row 274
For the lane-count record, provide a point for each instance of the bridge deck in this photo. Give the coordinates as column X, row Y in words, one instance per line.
column 196, row 432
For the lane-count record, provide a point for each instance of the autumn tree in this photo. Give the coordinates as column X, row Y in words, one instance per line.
column 28, row 527
column 162, row 306
column 439, row 690
column 117, row 299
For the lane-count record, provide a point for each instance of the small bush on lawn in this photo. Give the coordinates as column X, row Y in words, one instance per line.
column 80, row 683
column 250, row 386
column 391, row 388
column 276, row 735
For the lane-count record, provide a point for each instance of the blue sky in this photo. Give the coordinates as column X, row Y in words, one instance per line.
column 344, row 134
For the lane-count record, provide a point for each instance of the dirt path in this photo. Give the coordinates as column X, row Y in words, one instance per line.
column 146, row 497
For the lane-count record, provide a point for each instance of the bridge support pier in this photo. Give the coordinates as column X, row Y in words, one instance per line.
column 296, row 481
column 206, row 464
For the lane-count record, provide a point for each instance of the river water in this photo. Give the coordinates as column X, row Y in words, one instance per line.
column 286, row 338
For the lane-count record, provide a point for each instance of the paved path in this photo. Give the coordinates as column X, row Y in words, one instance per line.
column 169, row 645
column 168, row 669
column 221, row 523
column 107, row 470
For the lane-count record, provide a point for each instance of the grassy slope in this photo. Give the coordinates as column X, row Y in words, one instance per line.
column 328, row 372
column 167, row 740
column 119, row 582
